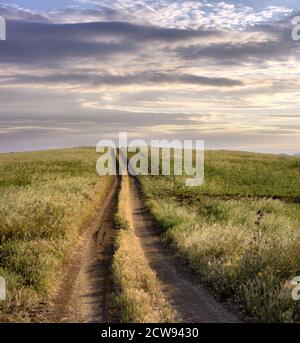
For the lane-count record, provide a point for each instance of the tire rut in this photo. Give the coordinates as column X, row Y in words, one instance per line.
column 191, row 301
column 84, row 293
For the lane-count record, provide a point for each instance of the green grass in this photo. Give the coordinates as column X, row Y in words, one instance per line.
column 240, row 240
column 46, row 199
column 239, row 174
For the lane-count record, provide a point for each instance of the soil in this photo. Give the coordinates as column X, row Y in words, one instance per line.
column 191, row 300
column 84, row 292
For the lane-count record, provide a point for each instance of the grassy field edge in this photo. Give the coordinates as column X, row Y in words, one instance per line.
column 47, row 202
column 251, row 267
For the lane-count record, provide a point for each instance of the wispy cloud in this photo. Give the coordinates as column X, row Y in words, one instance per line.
column 222, row 72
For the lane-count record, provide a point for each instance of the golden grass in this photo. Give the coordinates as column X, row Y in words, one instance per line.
column 252, row 266
column 46, row 199
column 139, row 296
column 241, row 240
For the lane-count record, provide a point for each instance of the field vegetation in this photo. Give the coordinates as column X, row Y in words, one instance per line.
column 138, row 294
column 240, row 231
column 46, row 199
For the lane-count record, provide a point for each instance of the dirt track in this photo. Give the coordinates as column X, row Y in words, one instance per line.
column 84, row 292
column 191, row 301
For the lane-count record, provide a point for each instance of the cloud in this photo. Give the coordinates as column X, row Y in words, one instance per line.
column 123, row 80
column 14, row 12
column 268, row 42
column 52, row 43
column 240, row 53
column 191, row 14
column 36, row 42
column 188, row 69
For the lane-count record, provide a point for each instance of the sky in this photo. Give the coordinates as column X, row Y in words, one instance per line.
column 75, row 72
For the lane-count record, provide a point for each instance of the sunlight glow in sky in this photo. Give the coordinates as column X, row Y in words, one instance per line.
column 73, row 72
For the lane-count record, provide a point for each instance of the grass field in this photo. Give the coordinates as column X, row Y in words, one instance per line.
column 240, row 231
column 46, row 199
column 138, row 295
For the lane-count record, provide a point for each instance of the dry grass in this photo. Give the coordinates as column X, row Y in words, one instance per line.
column 46, row 199
column 246, row 247
column 138, row 291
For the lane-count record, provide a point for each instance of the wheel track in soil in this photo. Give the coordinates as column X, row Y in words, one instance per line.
column 84, row 292
column 191, row 301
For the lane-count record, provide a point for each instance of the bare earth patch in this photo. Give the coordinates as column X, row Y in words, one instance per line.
column 84, row 292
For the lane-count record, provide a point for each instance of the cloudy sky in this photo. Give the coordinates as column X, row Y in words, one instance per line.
column 73, row 72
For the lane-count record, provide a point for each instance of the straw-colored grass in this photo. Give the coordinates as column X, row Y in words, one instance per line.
column 242, row 242
column 46, row 198
column 138, row 294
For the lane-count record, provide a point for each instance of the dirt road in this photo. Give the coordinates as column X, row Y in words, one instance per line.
column 84, row 292
column 191, row 301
